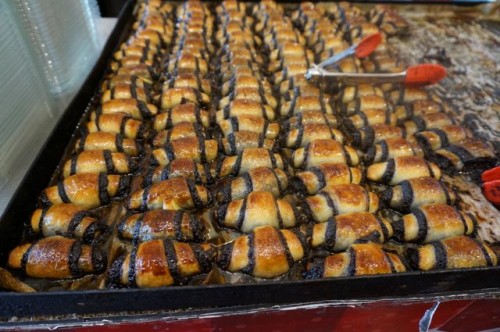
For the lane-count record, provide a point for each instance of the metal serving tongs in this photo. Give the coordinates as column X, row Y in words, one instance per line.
column 418, row 75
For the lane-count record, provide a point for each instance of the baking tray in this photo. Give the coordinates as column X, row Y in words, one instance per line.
column 175, row 300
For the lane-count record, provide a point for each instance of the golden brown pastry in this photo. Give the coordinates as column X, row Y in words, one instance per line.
column 367, row 136
column 324, row 151
column 164, row 224
column 340, row 199
column 362, row 103
column 181, row 113
column 180, row 168
column 253, row 94
column 241, row 107
column 416, row 192
column 303, row 135
column 418, row 108
column 287, row 49
column 391, row 148
column 266, row 252
column 244, row 81
column 132, row 80
column 259, row 208
column 340, row 232
column 158, row 263
column 312, row 117
column 87, row 190
column 470, row 152
column 398, row 169
column 305, row 104
column 436, row 138
column 133, row 107
column 201, row 151
column 191, row 81
column 404, row 94
column 326, row 175
column 99, row 161
column 117, row 123
column 147, row 73
column 350, row 93
column 428, row 121
column 430, row 223
column 172, row 194
column 57, row 257
column 382, row 63
column 187, row 63
column 359, row 259
column 172, row 97
column 132, row 60
column 236, row 142
column 241, row 73
column 68, row 220
column 251, row 123
column 178, row 131
column 107, row 141
column 267, row 179
column 370, row 117
column 248, row 159
column 297, row 86
column 388, row 20
column 125, row 91
column 452, row 253
column 285, row 62
column 143, row 52
column 288, row 72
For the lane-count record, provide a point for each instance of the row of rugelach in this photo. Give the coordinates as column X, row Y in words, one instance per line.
column 98, row 169
column 387, row 128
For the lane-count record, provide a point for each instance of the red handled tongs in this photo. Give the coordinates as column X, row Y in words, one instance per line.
column 418, row 75
column 491, row 185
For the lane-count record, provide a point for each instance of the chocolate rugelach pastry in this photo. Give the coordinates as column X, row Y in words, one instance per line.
column 158, row 263
column 358, row 259
column 248, row 159
column 340, row 199
column 249, row 123
column 86, row 190
column 272, row 180
column 135, row 108
column 172, row 194
column 57, row 257
column 107, row 141
column 180, row 168
column 116, row 123
column 452, row 253
column 265, row 253
column 196, row 148
column 312, row 180
column 391, row 148
column 434, row 222
column 339, row 232
column 68, row 220
column 164, row 224
column 99, row 161
column 259, row 208
column 181, row 113
column 412, row 193
column 324, row 151
column 398, row 169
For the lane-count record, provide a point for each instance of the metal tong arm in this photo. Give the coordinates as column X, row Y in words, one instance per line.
column 337, row 57
column 356, row 78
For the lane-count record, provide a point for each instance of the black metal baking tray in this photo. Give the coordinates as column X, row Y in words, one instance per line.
column 193, row 298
